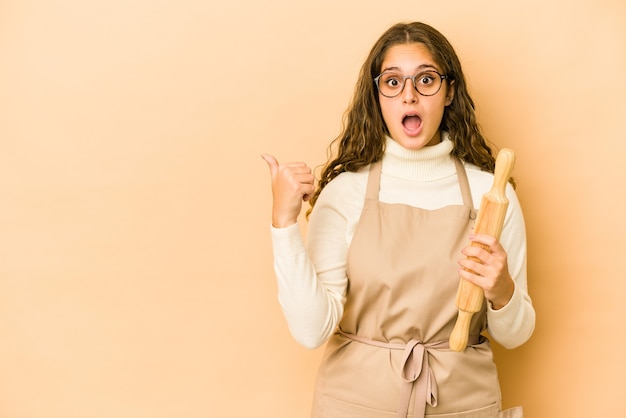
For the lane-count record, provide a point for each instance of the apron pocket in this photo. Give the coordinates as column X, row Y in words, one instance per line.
column 516, row 412
column 491, row 411
column 328, row 407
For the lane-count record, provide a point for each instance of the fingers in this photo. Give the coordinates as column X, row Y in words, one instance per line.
column 297, row 168
column 484, row 254
column 485, row 264
column 486, row 240
column 292, row 183
column 271, row 162
column 498, row 287
column 483, row 246
column 297, row 171
column 476, row 267
column 302, row 182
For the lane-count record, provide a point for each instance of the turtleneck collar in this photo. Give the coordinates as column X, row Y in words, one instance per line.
column 426, row 164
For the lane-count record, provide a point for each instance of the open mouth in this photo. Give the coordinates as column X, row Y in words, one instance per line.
column 411, row 123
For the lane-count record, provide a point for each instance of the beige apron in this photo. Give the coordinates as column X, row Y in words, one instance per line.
column 390, row 356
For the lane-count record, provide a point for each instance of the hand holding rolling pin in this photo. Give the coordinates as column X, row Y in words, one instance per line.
column 292, row 184
column 486, row 266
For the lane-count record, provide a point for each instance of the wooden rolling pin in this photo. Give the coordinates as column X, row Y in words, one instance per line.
column 469, row 298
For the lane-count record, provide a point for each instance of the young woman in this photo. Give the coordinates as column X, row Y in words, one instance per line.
column 388, row 239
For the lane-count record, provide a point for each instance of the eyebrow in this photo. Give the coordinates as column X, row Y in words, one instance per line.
column 421, row 67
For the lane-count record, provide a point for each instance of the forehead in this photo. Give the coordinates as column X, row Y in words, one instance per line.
column 408, row 57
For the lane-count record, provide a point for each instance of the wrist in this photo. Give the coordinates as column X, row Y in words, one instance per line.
column 283, row 222
column 501, row 302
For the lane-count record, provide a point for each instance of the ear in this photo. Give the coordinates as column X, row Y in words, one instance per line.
column 450, row 94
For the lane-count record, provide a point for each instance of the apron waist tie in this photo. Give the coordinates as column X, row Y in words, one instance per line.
column 415, row 370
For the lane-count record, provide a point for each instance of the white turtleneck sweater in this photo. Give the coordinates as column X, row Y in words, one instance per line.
column 312, row 279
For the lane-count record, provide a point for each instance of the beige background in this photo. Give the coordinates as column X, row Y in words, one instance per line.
column 135, row 263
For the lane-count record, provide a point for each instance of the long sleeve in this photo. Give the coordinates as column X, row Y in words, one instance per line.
column 312, row 281
column 310, row 307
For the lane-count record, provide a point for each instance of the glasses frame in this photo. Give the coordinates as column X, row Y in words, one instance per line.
column 412, row 77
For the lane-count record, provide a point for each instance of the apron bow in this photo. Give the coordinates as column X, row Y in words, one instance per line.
column 416, row 371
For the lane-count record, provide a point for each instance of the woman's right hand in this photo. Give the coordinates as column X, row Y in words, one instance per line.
column 292, row 183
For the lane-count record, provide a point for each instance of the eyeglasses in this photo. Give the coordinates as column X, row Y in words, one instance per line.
column 427, row 83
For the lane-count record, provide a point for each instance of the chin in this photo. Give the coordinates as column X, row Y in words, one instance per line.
column 412, row 143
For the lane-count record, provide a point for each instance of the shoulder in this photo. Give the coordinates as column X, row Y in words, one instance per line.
column 344, row 194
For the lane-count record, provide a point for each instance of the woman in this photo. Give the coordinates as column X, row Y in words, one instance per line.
column 389, row 236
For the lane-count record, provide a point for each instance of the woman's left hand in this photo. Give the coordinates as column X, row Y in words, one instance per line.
column 486, row 266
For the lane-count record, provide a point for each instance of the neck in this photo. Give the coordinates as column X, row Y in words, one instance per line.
column 426, row 164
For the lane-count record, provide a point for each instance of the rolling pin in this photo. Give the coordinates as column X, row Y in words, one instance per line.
column 469, row 297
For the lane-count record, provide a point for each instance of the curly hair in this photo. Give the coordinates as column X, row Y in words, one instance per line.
column 362, row 140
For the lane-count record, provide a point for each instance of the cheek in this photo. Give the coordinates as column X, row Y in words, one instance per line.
column 437, row 108
column 386, row 109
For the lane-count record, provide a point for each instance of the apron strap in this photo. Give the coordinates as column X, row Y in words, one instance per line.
column 373, row 181
column 466, row 192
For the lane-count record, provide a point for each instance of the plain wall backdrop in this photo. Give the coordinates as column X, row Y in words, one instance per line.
column 136, row 272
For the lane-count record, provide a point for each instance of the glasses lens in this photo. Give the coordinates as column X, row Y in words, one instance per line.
column 427, row 83
column 390, row 84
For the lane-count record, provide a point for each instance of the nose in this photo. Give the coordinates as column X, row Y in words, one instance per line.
column 409, row 92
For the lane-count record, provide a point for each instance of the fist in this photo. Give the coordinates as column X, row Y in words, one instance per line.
column 292, row 184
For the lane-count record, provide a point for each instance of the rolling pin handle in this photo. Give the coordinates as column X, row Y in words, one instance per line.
column 460, row 333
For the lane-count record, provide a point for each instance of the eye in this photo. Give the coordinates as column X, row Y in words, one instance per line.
column 426, row 79
column 392, row 80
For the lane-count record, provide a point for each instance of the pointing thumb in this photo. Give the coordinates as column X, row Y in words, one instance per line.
column 271, row 162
